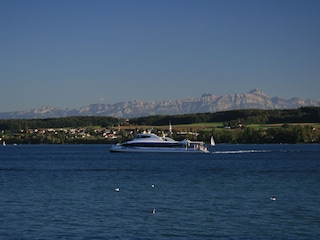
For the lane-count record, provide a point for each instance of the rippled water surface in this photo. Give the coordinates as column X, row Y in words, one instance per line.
column 237, row 192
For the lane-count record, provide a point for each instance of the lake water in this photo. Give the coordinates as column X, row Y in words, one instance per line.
column 238, row 192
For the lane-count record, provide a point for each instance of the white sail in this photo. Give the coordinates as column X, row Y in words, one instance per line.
column 212, row 142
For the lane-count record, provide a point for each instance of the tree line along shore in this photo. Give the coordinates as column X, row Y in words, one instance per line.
column 300, row 125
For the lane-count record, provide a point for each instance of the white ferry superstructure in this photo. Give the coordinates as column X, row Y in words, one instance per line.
column 149, row 142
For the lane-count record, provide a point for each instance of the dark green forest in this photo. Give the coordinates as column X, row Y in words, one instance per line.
column 65, row 122
column 237, row 126
column 245, row 116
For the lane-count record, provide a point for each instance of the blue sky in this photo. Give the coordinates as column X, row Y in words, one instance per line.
column 73, row 53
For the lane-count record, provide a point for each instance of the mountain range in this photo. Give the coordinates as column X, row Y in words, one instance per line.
column 256, row 99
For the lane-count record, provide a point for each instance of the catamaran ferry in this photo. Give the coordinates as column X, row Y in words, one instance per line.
column 149, row 142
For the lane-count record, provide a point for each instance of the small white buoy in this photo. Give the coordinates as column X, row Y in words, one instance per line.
column 152, row 185
column 273, row 198
column 154, row 211
column 117, row 189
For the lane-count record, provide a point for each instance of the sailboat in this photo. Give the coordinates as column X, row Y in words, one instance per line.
column 212, row 142
column 4, row 143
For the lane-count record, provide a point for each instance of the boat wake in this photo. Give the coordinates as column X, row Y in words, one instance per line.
column 240, row 151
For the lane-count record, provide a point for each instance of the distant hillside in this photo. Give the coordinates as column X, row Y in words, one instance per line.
column 254, row 99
